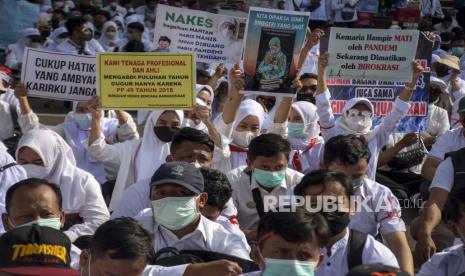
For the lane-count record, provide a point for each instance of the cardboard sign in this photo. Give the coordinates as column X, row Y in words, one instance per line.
column 274, row 39
column 371, row 54
column 59, row 76
column 212, row 37
column 134, row 81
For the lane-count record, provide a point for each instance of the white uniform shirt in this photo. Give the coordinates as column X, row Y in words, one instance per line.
column 386, row 220
column 373, row 252
column 450, row 141
column 91, row 48
column 388, row 126
column 450, row 261
column 243, row 200
column 6, row 122
column 208, row 235
column 444, row 176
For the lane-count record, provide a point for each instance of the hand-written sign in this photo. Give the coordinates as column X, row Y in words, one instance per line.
column 146, row 81
column 371, row 54
column 59, row 76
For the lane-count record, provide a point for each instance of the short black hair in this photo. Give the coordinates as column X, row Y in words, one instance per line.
column 164, row 38
column 136, row 26
column 32, row 183
column 74, row 22
column 134, row 46
column 60, row 11
column 192, row 135
column 105, row 13
column 202, row 74
column 268, row 145
column 122, row 238
column 297, row 227
column 446, row 36
column 217, row 186
column 347, row 149
column 317, row 178
column 308, row 76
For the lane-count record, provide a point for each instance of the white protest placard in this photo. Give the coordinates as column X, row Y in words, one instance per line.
column 212, row 37
column 59, row 76
column 371, row 54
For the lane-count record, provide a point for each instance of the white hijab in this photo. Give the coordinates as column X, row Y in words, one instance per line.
column 248, row 107
column 342, row 123
column 152, row 152
column 201, row 126
column 76, row 137
column 8, row 177
column 104, row 41
column 307, row 112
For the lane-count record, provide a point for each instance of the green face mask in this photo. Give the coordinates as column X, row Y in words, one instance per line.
column 54, row 223
column 358, row 182
column 275, row 267
column 269, row 179
column 175, row 213
column 296, row 130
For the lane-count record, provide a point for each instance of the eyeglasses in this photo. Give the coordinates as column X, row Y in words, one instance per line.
column 309, row 87
column 355, row 112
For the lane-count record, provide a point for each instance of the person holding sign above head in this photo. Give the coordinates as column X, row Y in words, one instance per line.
column 76, row 130
column 358, row 112
column 80, row 34
column 135, row 159
column 242, row 121
column 45, row 155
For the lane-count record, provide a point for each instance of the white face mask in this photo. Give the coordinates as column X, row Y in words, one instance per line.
column 54, row 223
column 35, row 45
column 358, row 123
column 36, row 171
column 243, row 138
column 188, row 123
column 111, row 35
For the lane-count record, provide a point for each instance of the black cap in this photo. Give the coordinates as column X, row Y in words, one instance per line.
column 180, row 173
column 375, row 269
column 35, row 250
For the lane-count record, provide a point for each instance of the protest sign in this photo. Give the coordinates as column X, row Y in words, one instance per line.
column 383, row 93
column 369, row 6
column 59, row 76
column 146, row 80
column 274, row 39
column 371, row 54
column 212, row 37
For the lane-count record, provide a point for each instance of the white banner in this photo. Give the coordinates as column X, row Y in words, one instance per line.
column 212, row 37
column 59, row 76
column 372, row 54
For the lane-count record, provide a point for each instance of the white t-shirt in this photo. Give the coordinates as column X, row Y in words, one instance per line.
column 336, row 264
column 444, row 176
column 450, row 261
column 450, row 141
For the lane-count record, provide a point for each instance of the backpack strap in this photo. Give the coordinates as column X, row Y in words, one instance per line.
column 458, row 162
column 2, row 169
column 257, row 198
column 356, row 244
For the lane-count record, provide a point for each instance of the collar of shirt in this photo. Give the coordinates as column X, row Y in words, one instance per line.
column 340, row 244
column 72, row 43
column 282, row 186
column 171, row 238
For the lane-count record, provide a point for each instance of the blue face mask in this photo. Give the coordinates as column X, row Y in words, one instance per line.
column 84, row 120
column 457, row 51
column 175, row 213
column 269, row 179
column 279, row 267
column 296, row 130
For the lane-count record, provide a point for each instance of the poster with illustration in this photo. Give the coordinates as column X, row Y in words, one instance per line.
column 271, row 52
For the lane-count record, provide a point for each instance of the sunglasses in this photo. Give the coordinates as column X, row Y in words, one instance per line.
column 309, row 87
column 355, row 112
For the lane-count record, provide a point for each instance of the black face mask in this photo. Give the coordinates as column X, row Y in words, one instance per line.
column 442, row 70
column 434, row 95
column 337, row 221
column 165, row 134
column 305, row 97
